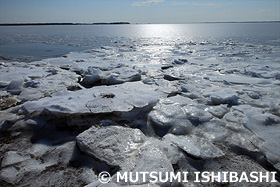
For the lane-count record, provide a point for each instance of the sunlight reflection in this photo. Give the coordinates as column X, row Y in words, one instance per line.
column 162, row 31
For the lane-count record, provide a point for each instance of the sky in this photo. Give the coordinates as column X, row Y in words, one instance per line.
column 137, row 11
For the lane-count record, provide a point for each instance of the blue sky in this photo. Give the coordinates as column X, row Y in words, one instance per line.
column 138, row 11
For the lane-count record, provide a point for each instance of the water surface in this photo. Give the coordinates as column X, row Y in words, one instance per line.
column 28, row 43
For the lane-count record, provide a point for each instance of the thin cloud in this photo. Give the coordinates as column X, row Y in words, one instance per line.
column 266, row 10
column 147, row 2
column 180, row 3
column 185, row 3
column 205, row 4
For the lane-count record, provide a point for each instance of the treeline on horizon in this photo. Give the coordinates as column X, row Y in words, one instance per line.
column 27, row 24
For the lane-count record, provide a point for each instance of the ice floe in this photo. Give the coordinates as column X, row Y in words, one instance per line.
column 101, row 99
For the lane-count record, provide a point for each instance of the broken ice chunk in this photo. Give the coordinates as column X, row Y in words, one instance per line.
column 117, row 146
column 224, row 97
column 169, row 117
column 218, row 111
column 15, row 86
column 180, row 61
column 195, row 146
column 123, row 147
column 11, row 158
column 197, row 114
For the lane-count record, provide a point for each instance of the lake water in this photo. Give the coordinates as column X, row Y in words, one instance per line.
column 29, row 43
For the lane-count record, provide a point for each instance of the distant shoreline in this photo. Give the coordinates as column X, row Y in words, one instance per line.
column 124, row 23
column 39, row 24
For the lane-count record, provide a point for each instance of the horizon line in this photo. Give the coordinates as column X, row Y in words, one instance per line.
column 124, row 23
